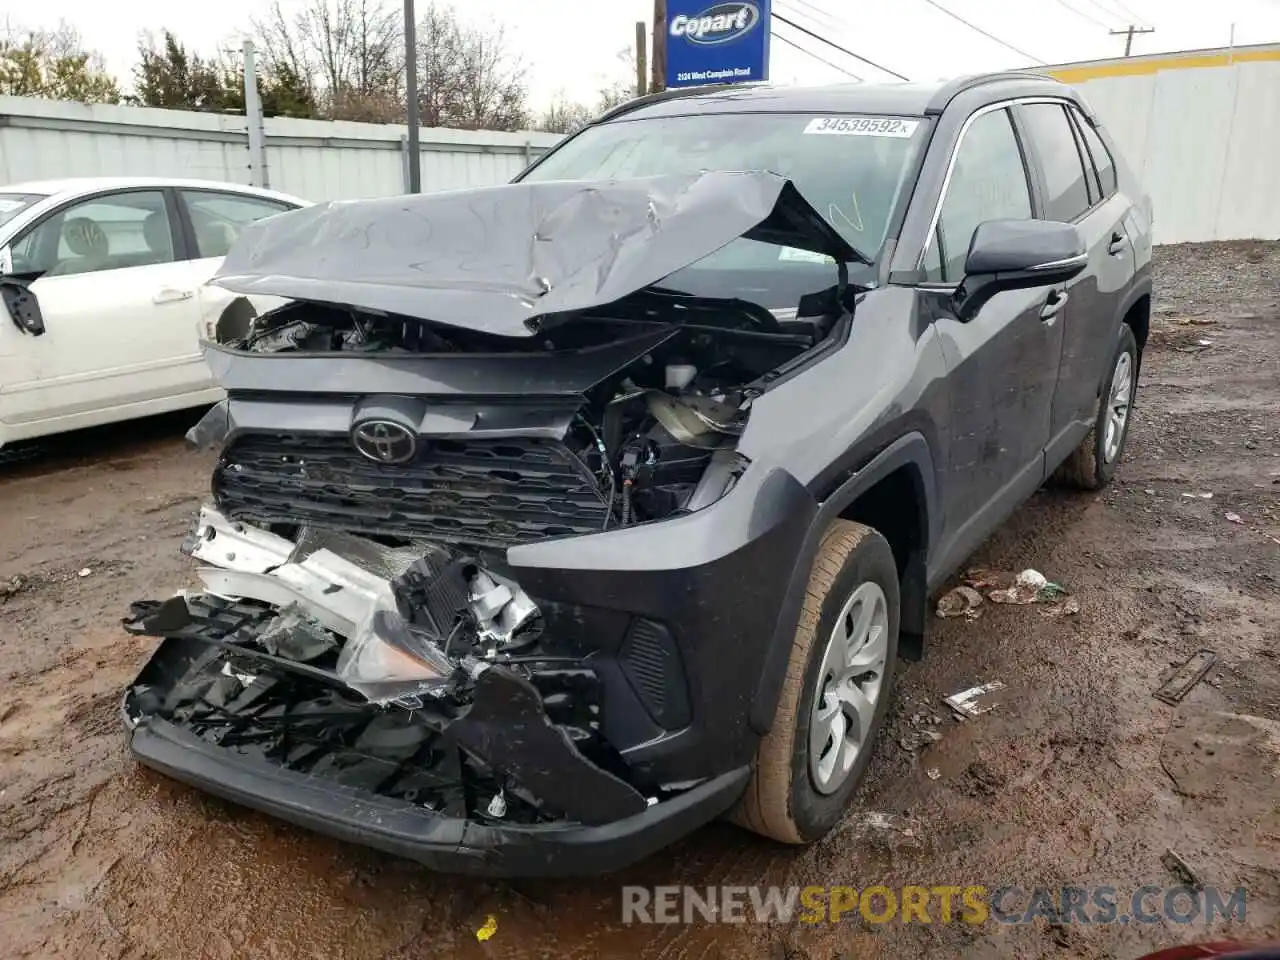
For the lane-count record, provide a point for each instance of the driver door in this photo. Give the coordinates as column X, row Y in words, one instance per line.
column 120, row 314
column 1003, row 362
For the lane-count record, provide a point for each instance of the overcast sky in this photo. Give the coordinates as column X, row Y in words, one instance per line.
column 571, row 46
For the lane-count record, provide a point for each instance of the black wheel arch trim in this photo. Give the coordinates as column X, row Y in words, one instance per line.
column 909, row 450
column 1142, row 288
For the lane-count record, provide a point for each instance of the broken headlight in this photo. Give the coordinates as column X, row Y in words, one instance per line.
column 388, row 659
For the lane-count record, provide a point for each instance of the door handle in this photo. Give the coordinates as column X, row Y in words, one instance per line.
column 1117, row 244
column 169, row 295
column 1053, row 306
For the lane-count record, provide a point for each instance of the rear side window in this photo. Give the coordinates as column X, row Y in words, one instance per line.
column 1066, row 190
column 218, row 218
column 988, row 182
column 1098, row 151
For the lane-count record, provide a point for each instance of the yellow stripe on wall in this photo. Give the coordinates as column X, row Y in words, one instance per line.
column 1135, row 67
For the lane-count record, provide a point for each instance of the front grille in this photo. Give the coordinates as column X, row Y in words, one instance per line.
column 481, row 492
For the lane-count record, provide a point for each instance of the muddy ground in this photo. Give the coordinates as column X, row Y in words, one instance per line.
column 1079, row 776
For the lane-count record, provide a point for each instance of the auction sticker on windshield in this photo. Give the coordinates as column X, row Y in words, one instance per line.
column 863, row 126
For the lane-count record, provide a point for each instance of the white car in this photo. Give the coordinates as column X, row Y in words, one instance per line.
column 119, row 269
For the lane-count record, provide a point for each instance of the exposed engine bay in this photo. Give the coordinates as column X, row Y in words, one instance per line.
column 634, row 444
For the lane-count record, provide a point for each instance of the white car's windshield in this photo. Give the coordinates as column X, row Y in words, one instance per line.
column 12, row 204
column 852, row 169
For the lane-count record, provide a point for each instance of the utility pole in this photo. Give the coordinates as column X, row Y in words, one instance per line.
column 642, row 68
column 1128, row 33
column 253, row 114
column 659, row 81
column 411, row 96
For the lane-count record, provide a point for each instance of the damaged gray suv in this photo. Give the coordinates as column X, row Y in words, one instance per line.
column 553, row 520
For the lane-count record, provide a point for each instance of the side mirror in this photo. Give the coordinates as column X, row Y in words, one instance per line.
column 23, row 307
column 1017, row 254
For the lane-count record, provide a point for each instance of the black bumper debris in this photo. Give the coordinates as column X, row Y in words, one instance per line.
column 450, row 844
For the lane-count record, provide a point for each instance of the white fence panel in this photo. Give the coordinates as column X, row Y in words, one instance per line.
column 1204, row 141
column 319, row 160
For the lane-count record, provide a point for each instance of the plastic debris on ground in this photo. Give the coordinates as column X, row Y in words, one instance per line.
column 933, row 773
column 13, row 586
column 1185, row 677
column 1068, row 608
column 489, row 929
column 1180, row 869
column 1029, row 586
column 1235, row 517
column 85, row 572
column 1001, row 586
column 976, row 700
column 1199, row 496
column 961, row 601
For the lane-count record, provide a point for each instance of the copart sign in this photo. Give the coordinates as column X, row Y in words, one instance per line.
column 725, row 42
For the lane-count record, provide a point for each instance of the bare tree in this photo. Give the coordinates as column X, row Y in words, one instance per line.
column 352, row 54
column 468, row 76
column 565, row 116
column 351, row 51
column 493, row 83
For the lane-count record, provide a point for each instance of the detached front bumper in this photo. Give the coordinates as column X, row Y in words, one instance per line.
column 631, row 732
column 449, row 844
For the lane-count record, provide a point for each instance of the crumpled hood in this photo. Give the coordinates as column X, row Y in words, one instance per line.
column 495, row 258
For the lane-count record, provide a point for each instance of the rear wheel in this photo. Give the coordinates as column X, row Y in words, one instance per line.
column 835, row 693
column 1092, row 464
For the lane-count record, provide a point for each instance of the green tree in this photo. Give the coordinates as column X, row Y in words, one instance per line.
column 170, row 76
column 53, row 64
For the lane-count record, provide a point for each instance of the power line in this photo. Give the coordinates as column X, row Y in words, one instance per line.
column 977, row 29
column 817, row 11
column 805, row 30
column 1086, row 16
column 1128, row 11
column 791, row 43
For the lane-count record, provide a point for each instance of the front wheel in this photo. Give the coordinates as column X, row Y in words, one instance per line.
column 1092, row 464
column 835, row 692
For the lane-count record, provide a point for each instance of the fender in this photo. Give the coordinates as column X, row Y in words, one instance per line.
column 1141, row 288
column 908, row 450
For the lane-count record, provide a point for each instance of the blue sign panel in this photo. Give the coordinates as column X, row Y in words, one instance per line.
column 709, row 42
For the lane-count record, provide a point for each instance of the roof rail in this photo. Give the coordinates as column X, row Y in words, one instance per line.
column 953, row 88
column 671, row 94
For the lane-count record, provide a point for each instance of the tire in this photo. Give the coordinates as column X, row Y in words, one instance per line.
column 1087, row 467
column 784, row 799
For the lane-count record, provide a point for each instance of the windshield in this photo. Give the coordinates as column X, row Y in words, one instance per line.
column 852, row 169
column 12, row 204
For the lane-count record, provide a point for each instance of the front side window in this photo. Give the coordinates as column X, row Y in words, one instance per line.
column 988, row 182
column 217, row 218
column 851, row 169
column 1066, row 190
column 109, row 232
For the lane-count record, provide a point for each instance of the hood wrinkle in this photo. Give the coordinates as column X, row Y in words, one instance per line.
column 495, row 258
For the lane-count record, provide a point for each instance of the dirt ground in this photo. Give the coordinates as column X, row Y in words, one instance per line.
column 1079, row 776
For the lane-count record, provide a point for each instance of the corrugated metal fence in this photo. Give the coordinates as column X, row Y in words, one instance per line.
column 319, row 160
column 1204, row 140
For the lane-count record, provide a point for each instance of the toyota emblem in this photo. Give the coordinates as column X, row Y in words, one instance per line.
column 384, row 441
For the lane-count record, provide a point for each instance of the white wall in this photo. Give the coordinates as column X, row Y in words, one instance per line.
column 315, row 159
column 1206, row 143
